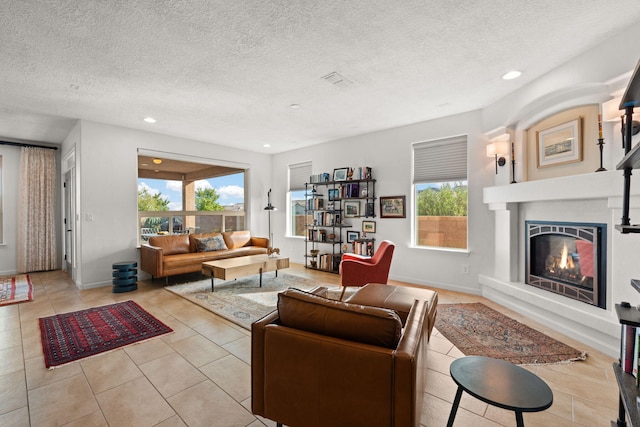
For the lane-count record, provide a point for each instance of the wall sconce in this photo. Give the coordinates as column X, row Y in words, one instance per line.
column 612, row 113
column 498, row 148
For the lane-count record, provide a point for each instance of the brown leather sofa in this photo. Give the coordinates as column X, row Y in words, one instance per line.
column 173, row 254
column 319, row 362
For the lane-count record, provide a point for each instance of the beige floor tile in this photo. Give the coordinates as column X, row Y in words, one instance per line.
column 180, row 330
column 439, row 344
column 13, row 392
column 10, row 338
column 207, row 405
column 218, row 332
column 38, row 375
column 17, row 418
column 30, row 328
column 146, row 351
column 32, row 347
column 94, row 419
column 100, row 370
column 12, row 360
column 232, row 375
column 10, row 322
column 36, row 309
column 174, row 421
column 241, row 349
column 439, row 362
column 198, row 350
column 9, row 311
column 61, row 402
column 171, row 374
column 136, row 403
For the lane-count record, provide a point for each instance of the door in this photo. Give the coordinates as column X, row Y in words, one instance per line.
column 69, row 223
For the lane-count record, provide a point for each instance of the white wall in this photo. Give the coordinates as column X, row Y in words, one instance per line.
column 108, row 191
column 389, row 153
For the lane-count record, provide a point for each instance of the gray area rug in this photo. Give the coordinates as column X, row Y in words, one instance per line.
column 243, row 301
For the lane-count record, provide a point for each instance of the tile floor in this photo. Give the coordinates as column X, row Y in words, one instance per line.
column 200, row 375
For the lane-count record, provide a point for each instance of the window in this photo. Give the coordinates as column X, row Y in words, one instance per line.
column 186, row 197
column 299, row 174
column 1, row 197
column 440, row 193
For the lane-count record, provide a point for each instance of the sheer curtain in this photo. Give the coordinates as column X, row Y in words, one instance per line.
column 36, row 232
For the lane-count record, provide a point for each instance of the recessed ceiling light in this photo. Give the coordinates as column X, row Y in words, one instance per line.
column 514, row 74
column 144, row 164
column 294, row 106
column 157, row 161
column 149, row 120
column 267, row 145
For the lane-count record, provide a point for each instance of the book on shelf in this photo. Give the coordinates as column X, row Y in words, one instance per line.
column 627, row 347
column 319, row 178
column 362, row 172
column 315, row 204
column 636, row 348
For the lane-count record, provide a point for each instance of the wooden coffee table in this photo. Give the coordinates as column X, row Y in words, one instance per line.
column 233, row 268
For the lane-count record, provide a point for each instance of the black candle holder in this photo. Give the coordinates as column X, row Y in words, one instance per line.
column 601, row 145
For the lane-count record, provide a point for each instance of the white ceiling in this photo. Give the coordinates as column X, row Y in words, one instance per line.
column 226, row 72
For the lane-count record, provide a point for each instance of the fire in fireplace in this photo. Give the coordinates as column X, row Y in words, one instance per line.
column 567, row 259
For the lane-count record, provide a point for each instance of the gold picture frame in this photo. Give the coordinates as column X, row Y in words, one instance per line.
column 560, row 144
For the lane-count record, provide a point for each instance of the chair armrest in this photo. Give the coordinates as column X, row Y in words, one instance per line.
column 263, row 242
column 351, row 272
column 151, row 260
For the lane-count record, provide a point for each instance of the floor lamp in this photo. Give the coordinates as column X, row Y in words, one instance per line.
column 269, row 208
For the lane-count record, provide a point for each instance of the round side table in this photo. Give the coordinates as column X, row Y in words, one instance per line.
column 499, row 383
column 125, row 276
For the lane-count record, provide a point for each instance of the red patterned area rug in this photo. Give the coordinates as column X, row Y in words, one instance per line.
column 14, row 289
column 72, row 336
column 478, row 330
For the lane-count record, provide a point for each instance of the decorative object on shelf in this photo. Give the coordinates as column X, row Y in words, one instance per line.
column 269, row 208
column 560, row 144
column 340, row 174
column 364, row 192
column 600, row 143
column 314, row 252
column 334, row 194
column 498, row 148
column 513, row 163
column 352, row 236
column 393, row 207
column 368, row 226
column 351, row 208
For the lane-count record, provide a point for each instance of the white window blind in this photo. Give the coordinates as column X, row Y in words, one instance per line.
column 440, row 160
column 299, row 174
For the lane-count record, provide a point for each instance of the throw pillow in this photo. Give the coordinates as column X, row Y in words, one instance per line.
column 208, row 244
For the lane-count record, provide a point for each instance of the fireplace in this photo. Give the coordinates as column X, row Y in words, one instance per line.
column 568, row 259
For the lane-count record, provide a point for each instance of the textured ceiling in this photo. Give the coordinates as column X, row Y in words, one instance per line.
column 226, row 72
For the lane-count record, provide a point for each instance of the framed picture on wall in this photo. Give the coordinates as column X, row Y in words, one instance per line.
column 340, row 174
column 560, row 144
column 368, row 226
column 393, row 207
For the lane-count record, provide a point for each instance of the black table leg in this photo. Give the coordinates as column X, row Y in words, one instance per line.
column 212, row 283
column 261, row 277
column 519, row 421
column 454, row 408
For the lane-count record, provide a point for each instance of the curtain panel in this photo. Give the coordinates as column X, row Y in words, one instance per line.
column 36, row 232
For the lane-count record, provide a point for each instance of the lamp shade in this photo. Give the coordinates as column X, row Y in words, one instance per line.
column 497, row 148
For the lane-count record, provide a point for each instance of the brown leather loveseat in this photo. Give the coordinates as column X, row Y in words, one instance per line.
column 173, row 254
column 319, row 362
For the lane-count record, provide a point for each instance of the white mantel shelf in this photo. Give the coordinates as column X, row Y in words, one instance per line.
column 596, row 185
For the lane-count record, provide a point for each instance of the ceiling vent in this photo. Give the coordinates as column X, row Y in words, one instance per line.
column 337, row 79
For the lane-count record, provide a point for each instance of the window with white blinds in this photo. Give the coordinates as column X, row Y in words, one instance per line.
column 440, row 160
column 441, row 193
column 299, row 174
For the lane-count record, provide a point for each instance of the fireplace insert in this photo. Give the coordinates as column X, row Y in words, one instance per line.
column 568, row 259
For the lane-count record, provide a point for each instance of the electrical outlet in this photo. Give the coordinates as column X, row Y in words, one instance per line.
column 465, row 268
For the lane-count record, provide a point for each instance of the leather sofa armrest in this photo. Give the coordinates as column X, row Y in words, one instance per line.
column 262, row 242
column 151, row 260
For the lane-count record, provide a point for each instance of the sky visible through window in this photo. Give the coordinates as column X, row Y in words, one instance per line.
column 230, row 188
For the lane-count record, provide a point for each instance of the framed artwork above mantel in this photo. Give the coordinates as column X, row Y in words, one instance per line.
column 560, row 144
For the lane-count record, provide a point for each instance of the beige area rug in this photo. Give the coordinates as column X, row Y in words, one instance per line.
column 243, row 301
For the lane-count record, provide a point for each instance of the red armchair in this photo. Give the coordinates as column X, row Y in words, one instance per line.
column 357, row 270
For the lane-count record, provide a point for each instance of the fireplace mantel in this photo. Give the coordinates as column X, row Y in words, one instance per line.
column 598, row 194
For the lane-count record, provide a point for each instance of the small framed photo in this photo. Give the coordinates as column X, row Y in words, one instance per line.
column 340, row 174
column 334, row 194
column 368, row 226
column 560, row 144
column 352, row 236
column 351, row 208
column 393, row 207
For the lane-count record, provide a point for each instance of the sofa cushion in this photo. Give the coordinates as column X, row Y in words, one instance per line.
column 236, row 239
column 369, row 325
column 171, row 244
column 193, row 247
column 208, row 244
